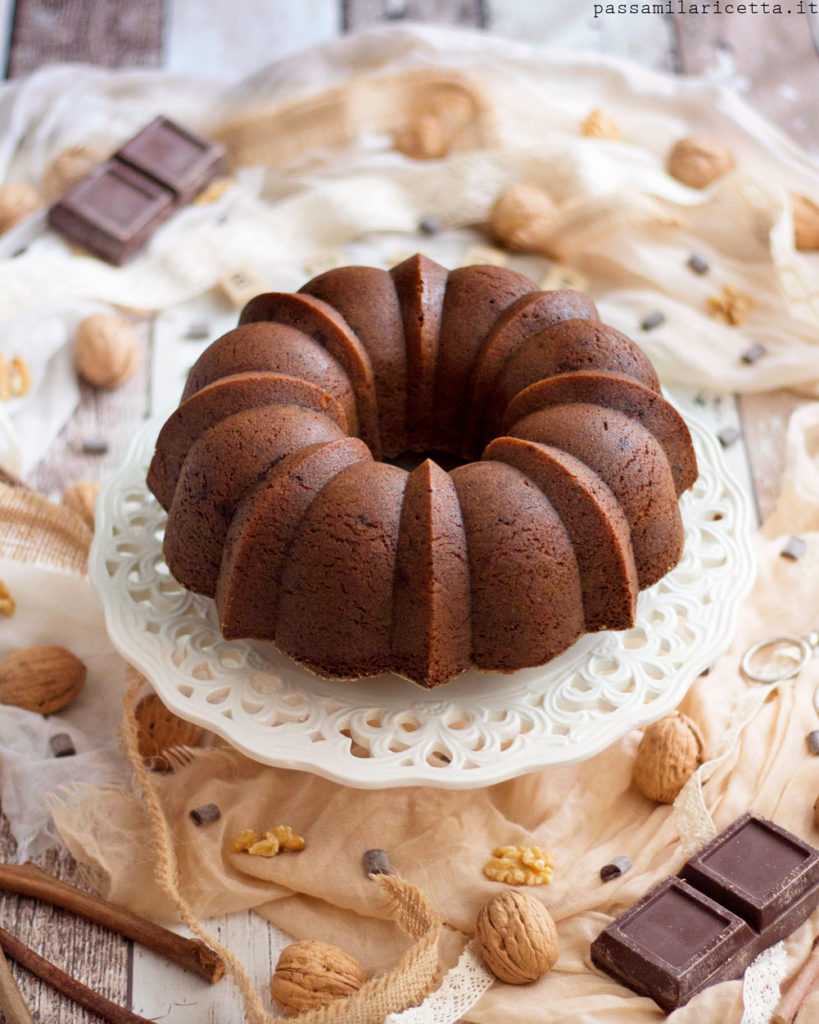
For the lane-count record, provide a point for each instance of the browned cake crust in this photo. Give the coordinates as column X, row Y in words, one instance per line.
column 247, row 600
column 366, row 298
column 323, row 324
column 571, row 345
column 526, row 598
column 527, row 316
column 431, row 636
column 626, row 456
column 216, row 402
column 420, row 284
column 221, row 467
column 475, row 297
column 594, row 521
column 335, row 611
column 355, row 567
column 273, row 348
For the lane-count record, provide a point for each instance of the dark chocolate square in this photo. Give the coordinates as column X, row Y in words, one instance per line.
column 755, row 868
column 175, row 157
column 674, row 942
column 112, row 211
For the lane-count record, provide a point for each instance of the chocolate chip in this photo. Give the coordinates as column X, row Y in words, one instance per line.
column 653, row 320
column 700, row 399
column 728, row 435
column 197, row 331
column 753, row 354
column 62, row 745
column 794, row 549
column 429, row 226
column 812, row 740
column 706, row 671
column 616, row 867
column 376, row 862
column 206, row 814
column 95, row 446
column 698, row 264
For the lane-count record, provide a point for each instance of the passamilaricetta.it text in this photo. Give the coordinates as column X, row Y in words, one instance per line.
column 715, row 7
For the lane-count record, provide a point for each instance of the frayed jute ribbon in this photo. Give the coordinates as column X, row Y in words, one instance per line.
column 34, row 529
column 405, row 985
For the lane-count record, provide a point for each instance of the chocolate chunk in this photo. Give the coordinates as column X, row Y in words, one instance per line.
column 112, row 212
column 174, row 157
column 206, row 814
column 700, row 399
column 698, row 264
column 376, row 862
column 706, row 671
column 653, row 320
column 794, row 549
column 753, row 354
column 617, row 866
column 95, row 446
column 115, row 209
column 812, row 740
column 197, row 331
column 748, row 888
column 429, row 226
column 62, row 745
column 728, row 435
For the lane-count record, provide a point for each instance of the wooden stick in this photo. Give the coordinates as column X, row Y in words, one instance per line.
column 192, row 954
column 12, row 1003
column 69, row 986
column 803, row 983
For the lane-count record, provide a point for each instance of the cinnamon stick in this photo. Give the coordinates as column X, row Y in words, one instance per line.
column 12, row 1003
column 192, row 954
column 803, row 983
column 64, row 983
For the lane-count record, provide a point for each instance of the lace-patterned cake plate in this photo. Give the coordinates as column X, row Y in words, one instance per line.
column 479, row 729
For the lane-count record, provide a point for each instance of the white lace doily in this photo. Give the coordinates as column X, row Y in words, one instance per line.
column 478, row 729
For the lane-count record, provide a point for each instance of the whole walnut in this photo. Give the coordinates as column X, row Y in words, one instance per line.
column 697, row 161
column 311, row 973
column 520, row 215
column 106, row 350
column 17, row 200
column 670, row 752
column 516, row 937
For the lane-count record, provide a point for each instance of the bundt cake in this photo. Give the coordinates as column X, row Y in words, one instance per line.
column 281, row 506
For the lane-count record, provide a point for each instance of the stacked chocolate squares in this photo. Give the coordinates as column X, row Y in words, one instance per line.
column 115, row 209
column 748, row 888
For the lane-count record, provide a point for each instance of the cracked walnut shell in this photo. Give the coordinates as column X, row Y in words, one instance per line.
column 516, row 937
column 670, row 752
column 697, row 161
column 520, row 865
column 310, row 974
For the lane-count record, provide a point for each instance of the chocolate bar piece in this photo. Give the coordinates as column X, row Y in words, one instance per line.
column 748, row 888
column 177, row 159
column 115, row 209
column 112, row 212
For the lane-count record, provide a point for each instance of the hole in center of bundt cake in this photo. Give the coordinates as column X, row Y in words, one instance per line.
column 411, row 460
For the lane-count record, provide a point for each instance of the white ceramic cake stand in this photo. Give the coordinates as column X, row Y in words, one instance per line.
column 478, row 729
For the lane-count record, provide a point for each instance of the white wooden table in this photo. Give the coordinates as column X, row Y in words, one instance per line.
column 771, row 59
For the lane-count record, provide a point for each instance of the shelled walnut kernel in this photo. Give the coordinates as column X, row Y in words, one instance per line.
column 598, row 125
column 520, row 865
column 8, row 605
column 731, row 306
column 276, row 840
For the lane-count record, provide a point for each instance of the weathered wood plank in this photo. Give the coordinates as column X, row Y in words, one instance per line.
column 769, row 59
column 765, row 424
column 109, row 415
column 109, row 33
column 97, row 957
column 362, row 13
column 237, row 38
column 647, row 39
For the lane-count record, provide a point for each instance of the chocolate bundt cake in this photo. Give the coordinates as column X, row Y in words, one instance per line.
column 281, row 507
